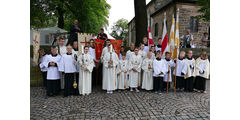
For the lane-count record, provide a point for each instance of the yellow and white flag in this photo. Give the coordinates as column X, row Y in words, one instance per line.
column 176, row 48
column 171, row 38
column 36, row 46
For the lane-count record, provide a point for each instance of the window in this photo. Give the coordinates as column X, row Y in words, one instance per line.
column 193, row 24
column 156, row 29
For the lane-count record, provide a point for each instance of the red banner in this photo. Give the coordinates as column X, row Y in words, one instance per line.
column 116, row 45
column 99, row 44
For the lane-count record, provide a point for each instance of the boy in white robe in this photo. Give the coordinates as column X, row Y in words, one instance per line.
column 86, row 67
column 147, row 65
column 110, row 62
column 168, row 76
column 189, row 77
column 202, row 72
column 61, row 50
column 135, row 63
column 43, row 57
column 68, row 67
column 181, row 71
column 131, row 51
column 123, row 68
column 53, row 75
column 159, row 69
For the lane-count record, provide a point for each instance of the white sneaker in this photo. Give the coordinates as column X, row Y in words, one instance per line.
column 108, row 92
column 137, row 90
column 111, row 92
column 131, row 89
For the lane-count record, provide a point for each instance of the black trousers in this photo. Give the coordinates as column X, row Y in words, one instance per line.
column 68, row 84
column 200, row 83
column 53, row 87
column 44, row 75
column 94, row 76
column 158, row 83
column 189, row 84
column 179, row 82
column 165, row 85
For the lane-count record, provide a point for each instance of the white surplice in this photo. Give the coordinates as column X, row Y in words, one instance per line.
column 181, row 67
column 168, row 64
column 110, row 73
column 85, row 76
column 190, row 67
column 143, row 54
column 129, row 54
column 134, row 77
column 202, row 66
column 147, row 82
column 68, row 64
column 53, row 71
column 41, row 63
column 122, row 69
column 159, row 67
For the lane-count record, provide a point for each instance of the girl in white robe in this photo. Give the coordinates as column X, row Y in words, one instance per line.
column 201, row 72
column 86, row 64
column 123, row 68
column 135, row 63
column 147, row 65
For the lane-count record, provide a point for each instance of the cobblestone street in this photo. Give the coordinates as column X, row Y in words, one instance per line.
column 122, row 105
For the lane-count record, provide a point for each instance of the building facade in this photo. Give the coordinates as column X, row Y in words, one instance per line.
column 188, row 10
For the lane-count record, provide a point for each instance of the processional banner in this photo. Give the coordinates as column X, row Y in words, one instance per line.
column 83, row 40
column 36, row 46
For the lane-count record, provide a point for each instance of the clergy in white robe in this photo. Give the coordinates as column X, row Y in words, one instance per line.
column 110, row 62
column 68, row 67
column 143, row 54
column 159, row 70
column 181, row 70
column 86, row 67
column 61, row 50
column 202, row 72
column 42, row 59
column 145, row 43
column 190, row 72
column 123, row 68
column 147, row 66
column 53, row 62
column 168, row 76
column 96, row 74
column 135, row 63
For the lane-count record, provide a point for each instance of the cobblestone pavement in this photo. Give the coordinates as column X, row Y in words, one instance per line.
column 122, row 105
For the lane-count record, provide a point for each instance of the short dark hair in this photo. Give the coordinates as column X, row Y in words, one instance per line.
column 167, row 53
column 86, row 47
column 41, row 50
column 158, row 51
column 53, row 47
column 102, row 29
column 123, row 54
column 108, row 40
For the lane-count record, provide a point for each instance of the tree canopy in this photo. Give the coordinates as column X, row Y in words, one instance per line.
column 91, row 14
column 120, row 29
column 205, row 10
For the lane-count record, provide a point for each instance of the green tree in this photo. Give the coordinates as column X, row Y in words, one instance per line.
column 120, row 29
column 205, row 10
column 91, row 14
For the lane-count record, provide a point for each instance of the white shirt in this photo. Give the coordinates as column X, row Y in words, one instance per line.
column 68, row 64
column 181, row 67
column 53, row 71
column 159, row 67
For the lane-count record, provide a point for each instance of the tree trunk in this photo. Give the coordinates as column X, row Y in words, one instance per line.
column 60, row 15
column 140, row 20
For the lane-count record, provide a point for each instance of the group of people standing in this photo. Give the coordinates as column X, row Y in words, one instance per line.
column 140, row 67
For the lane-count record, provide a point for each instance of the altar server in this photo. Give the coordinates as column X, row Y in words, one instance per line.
column 110, row 62
column 68, row 67
column 153, row 52
column 141, row 52
column 135, row 63
column 159, row 69
column 43, row 58
column 123, row 68
column 169, row 64
column 181, row 70
column 145, row 43
column 86, row 67
column 190, row 72
column 75, row 54
column 147, row 66
column 53, row 75
column 61, row 50
column 202, row 72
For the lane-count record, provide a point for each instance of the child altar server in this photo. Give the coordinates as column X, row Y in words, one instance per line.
column 53, row 75
column 43, row 58
column 159, row 69
column 123, row 68
column 189, row 77
column 169, row 64
column 68, row 67
column 147, row 66
column 180, row 71
column 202, row 72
